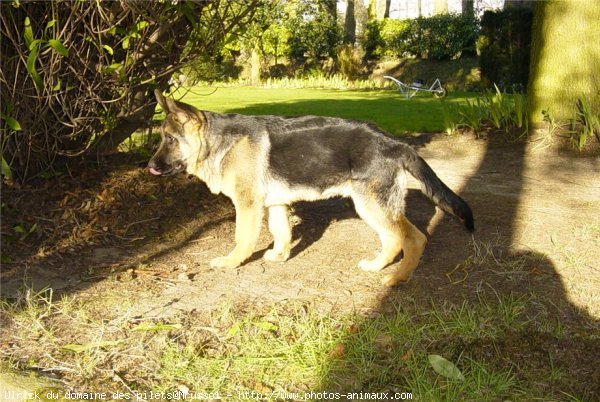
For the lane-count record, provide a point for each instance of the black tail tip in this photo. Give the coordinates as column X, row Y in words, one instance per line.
column 469, row 224
column 465, row 213
column 467, row 218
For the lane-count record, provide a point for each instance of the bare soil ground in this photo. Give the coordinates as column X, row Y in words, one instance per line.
column 116, row 233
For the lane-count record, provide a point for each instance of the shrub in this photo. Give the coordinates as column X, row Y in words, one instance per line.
column 397, row 36
column 439, row 37
column 350, row 62
column 372, row 41
column 277, row 71
column 77, row 78
column 314, row 33
column 504, row 45
column 446, row 36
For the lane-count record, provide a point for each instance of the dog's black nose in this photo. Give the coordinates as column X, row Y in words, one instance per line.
column 153, row 168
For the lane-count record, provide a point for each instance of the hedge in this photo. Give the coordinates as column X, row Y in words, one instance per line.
column 504, row 47
column 439, row 37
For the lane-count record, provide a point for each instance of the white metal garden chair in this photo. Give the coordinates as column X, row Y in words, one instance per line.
column 418, row 85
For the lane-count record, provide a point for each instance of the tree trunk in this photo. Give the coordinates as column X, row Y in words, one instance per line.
column 255, row 66
column 565, row 58
column 382, row 9
column 350, row 23
column 331, row 7
column 145, row 105
column 467, row 8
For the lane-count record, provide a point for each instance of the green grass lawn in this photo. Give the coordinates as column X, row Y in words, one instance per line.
column 386, row 108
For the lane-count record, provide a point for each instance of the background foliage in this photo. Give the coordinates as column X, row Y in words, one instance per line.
column 439, row 37
column 314, row 37
column 504, row 46
column 77, row 77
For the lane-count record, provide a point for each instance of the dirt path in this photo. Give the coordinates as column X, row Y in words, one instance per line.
column 538, row 231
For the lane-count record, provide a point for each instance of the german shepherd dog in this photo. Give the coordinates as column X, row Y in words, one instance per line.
column 271, row 162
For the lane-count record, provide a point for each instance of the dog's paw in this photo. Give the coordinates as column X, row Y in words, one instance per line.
column 392, row 280
column 224, row 262
column 370, row 265
column 274, row 256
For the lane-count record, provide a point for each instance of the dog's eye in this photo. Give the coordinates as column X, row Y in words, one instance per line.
column 170, row 138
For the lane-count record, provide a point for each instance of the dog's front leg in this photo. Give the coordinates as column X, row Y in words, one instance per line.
column 248, row 220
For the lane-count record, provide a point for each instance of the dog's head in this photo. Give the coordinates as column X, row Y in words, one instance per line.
column 180, row 136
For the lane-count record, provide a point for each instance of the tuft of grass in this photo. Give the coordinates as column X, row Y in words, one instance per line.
column 472, row 114
column 488, row 318
column 254, row 353
column 480, row 383
column 59, row 335
column 582, row 126
column 450, row 113
column 585, row 124
column 495, row 109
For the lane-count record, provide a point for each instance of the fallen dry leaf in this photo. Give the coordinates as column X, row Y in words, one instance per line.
column 407, row 355
column 338, row 351
column 385, row 342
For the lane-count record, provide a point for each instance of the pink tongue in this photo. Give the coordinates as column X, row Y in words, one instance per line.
column 154, row 172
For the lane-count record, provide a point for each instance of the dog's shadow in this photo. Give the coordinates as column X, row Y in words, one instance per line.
column 316, row 216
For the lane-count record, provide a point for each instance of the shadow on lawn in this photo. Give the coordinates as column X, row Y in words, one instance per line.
column 390, row 111
column 533, row 352
column 96, row 225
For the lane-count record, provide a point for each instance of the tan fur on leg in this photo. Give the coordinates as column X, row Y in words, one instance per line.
column 413, row 244
column 248, row 221
column 279, row 226
column 389, row 233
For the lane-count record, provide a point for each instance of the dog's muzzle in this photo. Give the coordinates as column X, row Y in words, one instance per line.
column 156, row 170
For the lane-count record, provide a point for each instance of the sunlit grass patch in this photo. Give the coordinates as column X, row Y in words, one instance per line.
column 272, row 351
column 302, row 352
column 280, row 350
column 386, row 108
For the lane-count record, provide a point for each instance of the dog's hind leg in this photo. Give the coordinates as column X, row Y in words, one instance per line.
column 279, row 226
column 395, row 233
column 248, row 221
column 413, row 244
column 389, row 234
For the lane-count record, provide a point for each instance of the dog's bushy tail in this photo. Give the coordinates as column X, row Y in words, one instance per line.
column 435, row 189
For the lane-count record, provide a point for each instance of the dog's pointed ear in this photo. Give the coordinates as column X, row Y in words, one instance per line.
column 168, row 104
column 161, row 100
column 171, row 107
